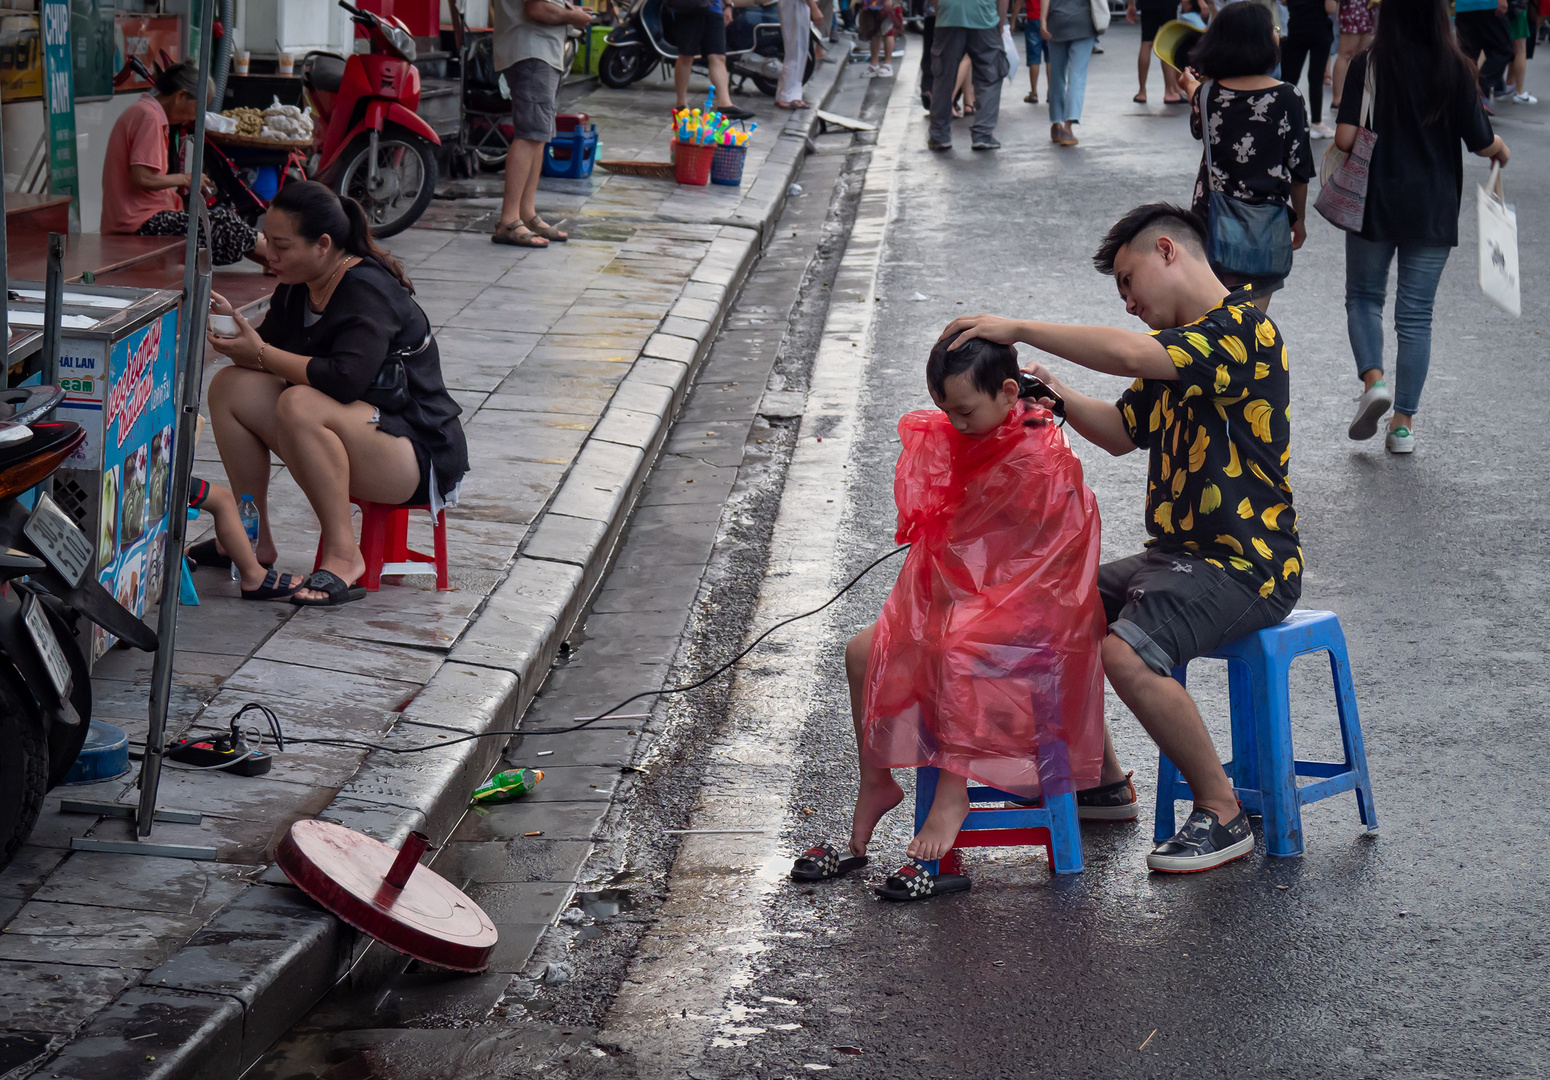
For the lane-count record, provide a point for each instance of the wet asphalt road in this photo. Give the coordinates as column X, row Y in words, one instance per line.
column 1416, row 952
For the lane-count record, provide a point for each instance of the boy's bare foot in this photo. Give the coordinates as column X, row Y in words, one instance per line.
column 872, row 802
column 948, row 810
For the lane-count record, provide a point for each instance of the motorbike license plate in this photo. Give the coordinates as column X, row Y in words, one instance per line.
column 48, row 645
column 58, row 540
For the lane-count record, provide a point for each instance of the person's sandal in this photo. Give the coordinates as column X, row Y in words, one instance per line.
column 550, row 233
column 1031, row 98
column 334, row 589
column 272, row 589
column 911, row 882
column 823, row 862
column 516, row 234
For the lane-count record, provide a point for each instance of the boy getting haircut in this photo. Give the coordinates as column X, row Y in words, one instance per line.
column 989, row 363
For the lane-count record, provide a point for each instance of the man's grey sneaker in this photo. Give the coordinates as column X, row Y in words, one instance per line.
column 1111, row 802
column 1374, row 402
column 939, row 147
column 987, row 143
column 1202, row 844
column 1400, row 440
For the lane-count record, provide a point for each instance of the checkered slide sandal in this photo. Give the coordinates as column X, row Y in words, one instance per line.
column 911, row 882
column 823, row 862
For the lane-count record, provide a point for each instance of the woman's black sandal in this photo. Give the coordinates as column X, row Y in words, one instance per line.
column 331, row 584
column 911, row 882
column 205, row 553
column 271, row 589
column 823, row 862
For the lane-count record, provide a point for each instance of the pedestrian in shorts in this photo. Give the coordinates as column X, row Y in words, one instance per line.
column 530, row 53
column 1033, row 45
column 877, row 23
column 698, row 28
column 1152, row 14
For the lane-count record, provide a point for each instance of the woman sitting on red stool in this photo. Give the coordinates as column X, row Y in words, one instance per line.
column 315, row 384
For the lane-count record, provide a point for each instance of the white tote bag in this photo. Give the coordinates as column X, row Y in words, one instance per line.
column 1498, row 226
column 1100, row 13
column 1008, row 46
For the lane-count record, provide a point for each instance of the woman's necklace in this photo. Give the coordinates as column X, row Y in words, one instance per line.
column 329, row 284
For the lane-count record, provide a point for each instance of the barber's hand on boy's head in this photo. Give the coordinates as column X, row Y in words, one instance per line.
column 990, row 327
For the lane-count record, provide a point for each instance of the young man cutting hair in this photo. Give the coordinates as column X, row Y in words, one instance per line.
column 1210, row 405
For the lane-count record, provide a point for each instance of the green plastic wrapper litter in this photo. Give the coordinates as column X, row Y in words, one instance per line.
column 505, row 787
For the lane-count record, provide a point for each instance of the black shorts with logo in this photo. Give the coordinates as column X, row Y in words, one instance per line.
column 696, row 33
column 1171, row 607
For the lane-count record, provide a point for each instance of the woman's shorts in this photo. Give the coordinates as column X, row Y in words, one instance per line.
column 1517, row 26
column 535, row 90
column 1033, row 42
column 697, row 33
column 872, row 24
column 1152, row 20
column 1356, row 17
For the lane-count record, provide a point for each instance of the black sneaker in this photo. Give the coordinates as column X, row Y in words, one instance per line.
column 1111, row 802
column 1202, row 844
column 939, row 147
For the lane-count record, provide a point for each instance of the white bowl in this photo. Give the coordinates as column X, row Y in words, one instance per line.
column 222, row 325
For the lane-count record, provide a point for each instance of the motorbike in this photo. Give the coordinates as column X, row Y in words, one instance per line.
column 755, row 49
column 46, row 587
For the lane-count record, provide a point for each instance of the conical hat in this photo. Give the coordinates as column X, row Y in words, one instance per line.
column 1175, row 38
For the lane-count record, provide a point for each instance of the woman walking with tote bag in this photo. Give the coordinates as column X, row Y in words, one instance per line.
column 1424, row 104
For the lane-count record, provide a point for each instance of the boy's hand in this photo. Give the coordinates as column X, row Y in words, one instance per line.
column 995, row 328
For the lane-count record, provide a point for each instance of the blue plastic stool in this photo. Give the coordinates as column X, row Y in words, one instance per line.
column 1263, row 769
column 1052, row 826
column 188, row 596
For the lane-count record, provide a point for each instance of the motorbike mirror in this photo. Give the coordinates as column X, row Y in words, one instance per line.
column 13, row 433
column 11, row 559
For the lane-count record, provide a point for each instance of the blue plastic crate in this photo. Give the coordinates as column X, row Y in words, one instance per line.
column 571, row 153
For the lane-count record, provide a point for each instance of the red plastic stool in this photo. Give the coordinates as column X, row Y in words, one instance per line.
column 385, row 544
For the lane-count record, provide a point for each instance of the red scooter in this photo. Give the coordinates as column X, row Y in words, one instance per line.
column 372, row 144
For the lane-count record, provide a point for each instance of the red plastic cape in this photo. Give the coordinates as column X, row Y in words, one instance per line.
column 986, row 660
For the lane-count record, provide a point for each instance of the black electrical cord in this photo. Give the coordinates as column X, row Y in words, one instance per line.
column 605, row 714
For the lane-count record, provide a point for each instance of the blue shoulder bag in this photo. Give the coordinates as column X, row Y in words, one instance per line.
column 1251, row 240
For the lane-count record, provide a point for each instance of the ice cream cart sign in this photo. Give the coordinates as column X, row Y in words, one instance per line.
column 136, row 465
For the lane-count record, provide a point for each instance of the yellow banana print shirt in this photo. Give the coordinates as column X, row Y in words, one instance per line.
column 1219, row 438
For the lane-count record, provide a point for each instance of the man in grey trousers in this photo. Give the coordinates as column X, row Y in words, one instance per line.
column 972, row 27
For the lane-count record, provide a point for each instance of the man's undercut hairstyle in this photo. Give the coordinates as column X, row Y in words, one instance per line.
column 1143, row 225
column 989, row 365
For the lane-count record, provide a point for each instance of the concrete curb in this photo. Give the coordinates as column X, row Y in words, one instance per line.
column 267, row 957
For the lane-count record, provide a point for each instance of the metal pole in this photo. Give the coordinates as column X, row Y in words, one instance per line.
column 53, row 307
column 187, row 385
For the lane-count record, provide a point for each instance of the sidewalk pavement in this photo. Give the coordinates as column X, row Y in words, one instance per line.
column 569, row 364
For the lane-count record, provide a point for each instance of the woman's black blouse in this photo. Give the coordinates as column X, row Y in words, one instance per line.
column 1415, row 180
column 1259, row 144
column 370, row 315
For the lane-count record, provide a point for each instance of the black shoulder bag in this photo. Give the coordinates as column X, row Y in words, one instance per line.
column 389, row 391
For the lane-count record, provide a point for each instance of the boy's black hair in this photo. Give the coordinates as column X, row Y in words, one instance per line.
column 1181, row 225
column 989, row 364
column 1239, row 42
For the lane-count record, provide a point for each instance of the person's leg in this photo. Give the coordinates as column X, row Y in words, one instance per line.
column 717, row 64
column 927, row 69
column 683, row 67
column 794, row 19
column 232, row 539
column 991, row 67
column 1294, row 51
column 1170, row 717
column 1318, row 55
column 1059, row 53
column 1350, row 45
column 1366, row 283
column 1143, row 68
column 947, row 49
column 1498, row 49
column 949, row 807
column 1076, row 80
column 879, row 792
column 334, row 451
column 242, row 416
column 888, row 49
column 963, row 85
column 1420, row 269
column 1517, row 68
column 1033, row 50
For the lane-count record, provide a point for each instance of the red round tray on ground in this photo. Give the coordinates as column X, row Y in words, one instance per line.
column 423, row 915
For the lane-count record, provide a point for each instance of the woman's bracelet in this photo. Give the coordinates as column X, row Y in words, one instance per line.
column 261, row 347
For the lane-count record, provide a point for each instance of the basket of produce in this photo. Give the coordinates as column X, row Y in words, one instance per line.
column 277, row 126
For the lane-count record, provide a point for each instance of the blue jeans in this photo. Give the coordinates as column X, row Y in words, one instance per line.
column 1366, row 283
column 1068, row 78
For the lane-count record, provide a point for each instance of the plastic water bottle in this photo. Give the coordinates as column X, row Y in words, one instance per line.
column 247, row 509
